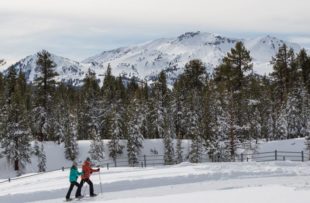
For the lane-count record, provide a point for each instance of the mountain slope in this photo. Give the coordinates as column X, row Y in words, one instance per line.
column 69, row 71
column 171, row 54
column 148, row 59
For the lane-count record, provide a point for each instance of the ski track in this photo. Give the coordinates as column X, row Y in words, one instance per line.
column 119, row 183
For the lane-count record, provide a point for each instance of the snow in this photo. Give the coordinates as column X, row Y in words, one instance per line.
column 209, row 182
column 296, row 145
column 151, row 147
column 255, row 182
column 56, row 160
column 146, row 60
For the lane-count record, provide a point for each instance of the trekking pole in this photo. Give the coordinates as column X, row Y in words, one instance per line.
column 85, row 190
column 100, row 182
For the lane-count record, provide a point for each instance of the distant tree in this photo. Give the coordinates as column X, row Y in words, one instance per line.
column 43, row 106
column 115, row 147
column 135, row 137
column 40, row 153
column 168, row 145
column 90, row 112
column 281, row 74
column 16, row 134
column 70, row 138
column 96, row 150
column 196, row 152
column 179, row 151
column 303, row 63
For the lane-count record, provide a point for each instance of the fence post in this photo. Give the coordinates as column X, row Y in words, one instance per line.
column 247, row 159
column 283, row 158
column 115, row 164
column 242, row 157
column 145, row 161
column 276, row 155
column 302, row 156
column 107, row 166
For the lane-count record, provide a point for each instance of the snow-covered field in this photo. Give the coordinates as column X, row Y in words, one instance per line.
column 250, row 182
column 55, row 155
column 56, row 159
column 275, row 182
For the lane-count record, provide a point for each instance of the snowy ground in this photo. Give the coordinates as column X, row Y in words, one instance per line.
column 276, row 182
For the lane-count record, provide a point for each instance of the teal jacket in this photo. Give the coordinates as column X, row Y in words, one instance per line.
column 74, row 174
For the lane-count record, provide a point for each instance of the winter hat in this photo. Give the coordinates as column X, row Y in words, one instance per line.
column 87, row 159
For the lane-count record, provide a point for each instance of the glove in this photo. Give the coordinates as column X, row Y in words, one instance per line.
column 98, row 169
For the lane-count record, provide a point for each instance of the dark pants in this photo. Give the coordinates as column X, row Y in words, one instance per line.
column 78, row 191
column 91, row 187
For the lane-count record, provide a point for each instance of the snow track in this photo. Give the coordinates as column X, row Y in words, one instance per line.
column 162, row 183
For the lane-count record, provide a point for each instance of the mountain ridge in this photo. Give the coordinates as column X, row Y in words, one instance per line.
column 147, row 59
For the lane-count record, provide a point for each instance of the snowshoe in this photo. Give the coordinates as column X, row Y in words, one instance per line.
column 93, row 195
column 80, row 197
column 68, row 199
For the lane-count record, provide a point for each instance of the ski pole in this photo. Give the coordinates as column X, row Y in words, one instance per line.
column 100, row 182
column 85, row 190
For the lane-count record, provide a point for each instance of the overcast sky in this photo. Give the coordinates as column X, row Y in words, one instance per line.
column 81, row 28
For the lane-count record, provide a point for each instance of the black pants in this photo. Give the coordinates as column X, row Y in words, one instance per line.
column 91, row 187
column 78, row 191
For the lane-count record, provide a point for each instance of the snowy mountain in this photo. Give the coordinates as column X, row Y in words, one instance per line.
column 69, row 71
column 146, row 60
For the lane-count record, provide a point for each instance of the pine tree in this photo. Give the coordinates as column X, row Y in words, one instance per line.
column 219, row 124
column 196, row 152
column 16, row 131
column 96, row 150
column 70, row 138
column 135, row 137
column 303, row 63
column 40, row 153
column 238, row 60
column 168, row 145
column 45, row 87
column 115, row 147
column 281, row 125
column 89, row 115
column 179, row 151
column 294, row 114
column 179, row 108
column 281, row 74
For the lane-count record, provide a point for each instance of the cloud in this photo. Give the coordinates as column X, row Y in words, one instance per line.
column 80, row 28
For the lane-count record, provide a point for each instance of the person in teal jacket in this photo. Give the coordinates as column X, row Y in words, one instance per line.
column 74, row 174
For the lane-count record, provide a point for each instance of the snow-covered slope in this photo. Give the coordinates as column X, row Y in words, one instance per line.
column 146, row 60
column 171, row 54
column 69, row 71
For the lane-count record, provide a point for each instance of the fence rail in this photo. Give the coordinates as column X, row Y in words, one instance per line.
column 155, row 160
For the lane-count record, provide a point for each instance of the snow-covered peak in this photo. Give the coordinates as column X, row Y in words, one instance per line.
column 69, row 71
column 264, row 47
column 146, row 60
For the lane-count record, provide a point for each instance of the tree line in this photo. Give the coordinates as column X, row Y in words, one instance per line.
column 218, row 112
